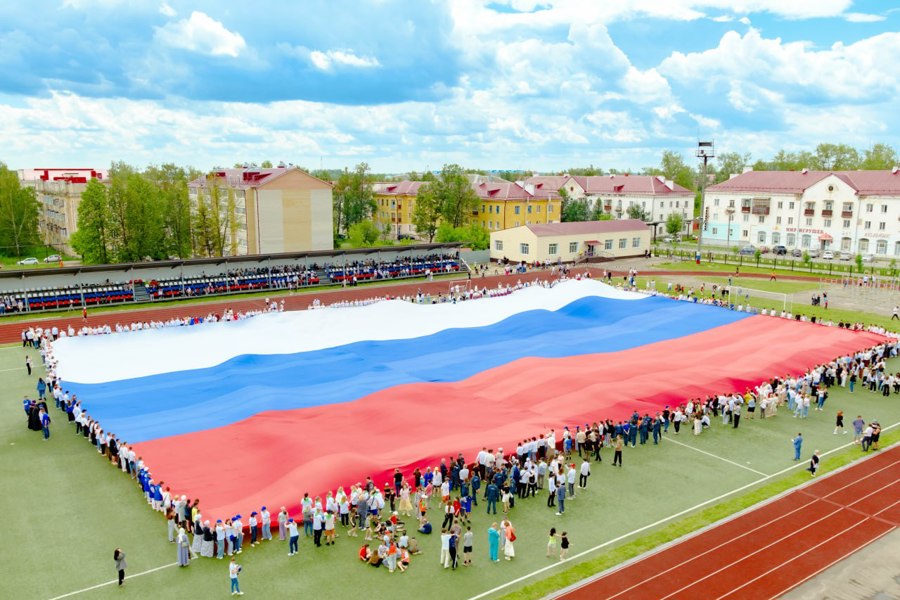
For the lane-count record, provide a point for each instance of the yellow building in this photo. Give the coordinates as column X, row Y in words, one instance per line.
column 394, row 203
column 571, row 242
column 502, row 204
column 276, row 210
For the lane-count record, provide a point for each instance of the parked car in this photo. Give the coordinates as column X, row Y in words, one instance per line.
column 52, row 258
column 748, row 251
column 828, row 255
column 779, row 251
column 846, row 256
column 813, row 252
column 28, row 261
column 763, row 249
column 868, row 258
column 797, row 252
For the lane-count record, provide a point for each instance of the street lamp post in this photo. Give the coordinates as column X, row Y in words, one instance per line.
column 730, row 212
column 705, row 151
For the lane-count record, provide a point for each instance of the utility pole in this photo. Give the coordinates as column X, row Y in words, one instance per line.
column 705, row 151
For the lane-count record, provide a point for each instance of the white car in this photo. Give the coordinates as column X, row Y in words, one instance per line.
column 28, row 261
column 868, row 258
column 846, row 256
column 828, row 255
column 52, row 258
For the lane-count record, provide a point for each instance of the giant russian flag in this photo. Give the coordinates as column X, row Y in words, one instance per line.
column 257, row 412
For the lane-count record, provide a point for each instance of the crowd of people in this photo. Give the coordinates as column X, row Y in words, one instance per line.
column 394, row 519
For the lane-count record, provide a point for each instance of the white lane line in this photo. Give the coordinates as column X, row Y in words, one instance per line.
column 113, row 582
column 731, row 462
column 740, row 557
column 656, row 524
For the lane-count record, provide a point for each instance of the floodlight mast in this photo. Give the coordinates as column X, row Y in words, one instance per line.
column 705, row 151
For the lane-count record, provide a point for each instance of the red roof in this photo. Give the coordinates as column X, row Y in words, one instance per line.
column 400, row 188
column 504, row 190
column 866, row 183
column 248, row 178
column 629, row 184
column 588, row 227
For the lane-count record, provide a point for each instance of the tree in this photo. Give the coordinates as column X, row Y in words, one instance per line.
column 426, row 212
column 836, row 157
column 266, row 164
column 363, row 234
column 355, row 201
column 879, row 157
column 473, row 234
column 575, row 210
column 674, row 224
column 454, row 195
column 18, row 214
column 672, row 166
column 636, row 211
column 731, row 163
column 92, row 239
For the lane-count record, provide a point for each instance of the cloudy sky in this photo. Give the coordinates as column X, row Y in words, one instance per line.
column 414, row 84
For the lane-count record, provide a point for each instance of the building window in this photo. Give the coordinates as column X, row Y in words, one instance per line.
column 573, row 247
column 607, row 244
column 745, row 234
column 791, row 240
column 776, row 238
column 881, row 226
column 762, row 237
column 790, row 220
column 482, row 208
column 829, row 205
column 809, row 222
column 552, row 249
column 716, row 202
column 537, row 208
column 518, row 209
column 731, row 202
column 778, row 220
column 846, row 223
column 523, row 248
column 827, row 222
column 884, row 208
column 896, row 248
column 863, row 245
column 781, row 204
column 881, row 247
column 805, row 239
column 498, row 245
column 869, row 207
column 529, row 209
column 867, row 225
column 623, row 243
column 715, row 230
column 636, row 242
column 762, row 219
column 790, row 206
column 746, row 218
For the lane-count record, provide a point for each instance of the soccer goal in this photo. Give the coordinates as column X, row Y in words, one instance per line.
column 759, row 298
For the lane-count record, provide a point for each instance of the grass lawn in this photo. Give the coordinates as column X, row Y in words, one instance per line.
column 68, row 510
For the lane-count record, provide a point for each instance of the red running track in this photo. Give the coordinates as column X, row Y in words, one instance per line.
column 772, row 549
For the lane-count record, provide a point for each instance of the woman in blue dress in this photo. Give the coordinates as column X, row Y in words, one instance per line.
column 494, row 543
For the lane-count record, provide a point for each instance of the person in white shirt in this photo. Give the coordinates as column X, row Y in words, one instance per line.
column 234, row 570
column 585, row 473
column 294, row 536
column 266, row 523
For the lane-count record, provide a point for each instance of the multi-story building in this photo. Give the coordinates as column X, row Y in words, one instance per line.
column 395, row 202
column 275, row 210
column 856, row 212
column 502, row 204
column 58, row 192
column 658, row 197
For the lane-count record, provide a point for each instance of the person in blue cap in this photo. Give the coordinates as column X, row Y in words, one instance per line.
column 266, row 519
column 254, row 528
column 293, row 537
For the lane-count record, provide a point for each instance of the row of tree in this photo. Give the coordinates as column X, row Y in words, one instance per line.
column 18, row 215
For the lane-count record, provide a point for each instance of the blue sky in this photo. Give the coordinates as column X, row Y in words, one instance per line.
column 503, row 84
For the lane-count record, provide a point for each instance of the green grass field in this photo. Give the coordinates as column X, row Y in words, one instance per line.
column 68, row 509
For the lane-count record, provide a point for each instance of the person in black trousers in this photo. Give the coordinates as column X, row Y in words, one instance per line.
column 121, row 565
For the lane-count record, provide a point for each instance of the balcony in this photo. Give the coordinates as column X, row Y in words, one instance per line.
column 745, row 209
column 827, row 212
column 760, row 210
column 847, row 214
column 809, row 212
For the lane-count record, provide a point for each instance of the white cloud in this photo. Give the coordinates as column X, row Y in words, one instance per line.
column 723, row 19
column 856, row 17
column 745, row 20
column 325, row 61
column 201, row 33
column 166, row 10
column 853, row 71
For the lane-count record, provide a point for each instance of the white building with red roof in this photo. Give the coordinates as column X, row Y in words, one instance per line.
column 853, row 212
column 657, row 196
column 569, row 242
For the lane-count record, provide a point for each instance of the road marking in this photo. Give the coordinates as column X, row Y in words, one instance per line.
column 658, row 523
column 113, row 582
column 670, row 440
